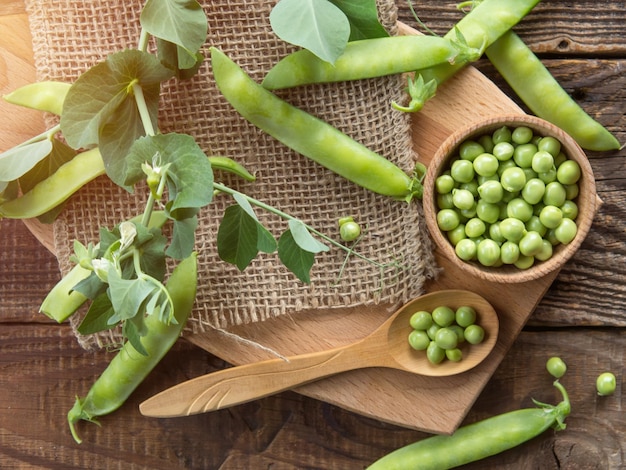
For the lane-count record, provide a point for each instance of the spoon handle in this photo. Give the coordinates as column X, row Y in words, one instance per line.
column 248, row 382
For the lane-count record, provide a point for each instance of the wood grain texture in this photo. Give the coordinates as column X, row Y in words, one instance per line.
column 582, row 318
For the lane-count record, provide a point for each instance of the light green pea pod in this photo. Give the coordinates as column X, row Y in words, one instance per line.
column 43, row 96
column 231, row 166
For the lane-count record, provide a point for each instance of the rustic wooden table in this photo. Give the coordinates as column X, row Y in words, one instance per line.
column 582, row 317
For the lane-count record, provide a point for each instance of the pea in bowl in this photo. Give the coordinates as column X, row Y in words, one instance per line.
column 509, row 199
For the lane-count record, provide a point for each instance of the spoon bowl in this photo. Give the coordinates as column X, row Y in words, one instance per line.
column 387, row 346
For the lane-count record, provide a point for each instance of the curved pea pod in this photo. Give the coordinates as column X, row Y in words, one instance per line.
column 367, row 58
column 57, row 188
column 479, row 440
column 544, row 96
column 129, row 368
column 42, row 96
column 307, row 134
column 480, row 28
column 229, row 165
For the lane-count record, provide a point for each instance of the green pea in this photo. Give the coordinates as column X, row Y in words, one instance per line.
column 465, row 316
column 459, row 332
column 474, row 334
column 522, row 135
column 518, row 208
column 434, row 353
column 556, row 367
column 546, row 251
column 569, row 209
column 349, row 231
column 421, row 320
column 488, row 252
column 462, row 171
column 446, row 338
column 462, row 198
column 523, row 155
column 503, row 151
column 487, row 212
column 432, row 331
column 513, row 179
column 512, row 229
column 487, row 142
column 491, row 191
column 471, row 186
column 444, row 184
column 535, row 225
column 444, row 201
column 571, row 191
column 606, row 384
column 509, row 252
column 443, row 316
column 470, row 149
column 503, row 134
column 530, row 244
column 551, row 216
column 447, row 219
column 454, row 355
column 524, row 262
column 533, row 190
column 486, row 164
column 419, row 340
column 457, row 234
column 542, row 162
column 504, row 165
column 555, row 194
column 551, row 145
column 466, row 249
column 548, row 176
column 568, row 172
column 566, row 231
column 475, row 227
column 495, row 234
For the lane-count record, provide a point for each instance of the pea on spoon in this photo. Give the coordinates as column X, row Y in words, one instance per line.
column 387, row 346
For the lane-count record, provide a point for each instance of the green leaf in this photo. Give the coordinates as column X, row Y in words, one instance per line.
column 132, row 329
column 97, row 317
column 128, row 296
column 237, row 237
column 190, row 176
column 183, row 238
column 174, row 57
column 266, row 242
column 152, row 249
column 181, row 22
column 101, row 99
column 303, row 237
column 297, row 260
column 91, row 287
column 316, row 25
column 19, row 160
column 363, row 18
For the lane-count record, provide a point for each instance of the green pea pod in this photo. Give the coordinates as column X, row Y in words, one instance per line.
column 231, row 166
column 479, row 440
column 129, row 368
column 480, row 28
column 62, row 302
column 545, row 97
column 307, row 134
column 57, row 188
column 362, row 59
column 42, row 96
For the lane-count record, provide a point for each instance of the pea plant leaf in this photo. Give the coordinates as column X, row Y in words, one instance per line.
column 101, row 101
column 298, row 260
column 180, row 22
column 237, row 237
column 316, row 25
column 304, row 239
column 19, row 160
column 363, row 18
column 183, row 238
column 265, row 240
column 174, row 57
column 97, row 317
column 128, row 296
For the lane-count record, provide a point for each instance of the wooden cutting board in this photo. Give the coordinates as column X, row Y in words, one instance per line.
column 424, row 403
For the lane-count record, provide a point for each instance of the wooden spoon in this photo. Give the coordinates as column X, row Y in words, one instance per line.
column 387, row 346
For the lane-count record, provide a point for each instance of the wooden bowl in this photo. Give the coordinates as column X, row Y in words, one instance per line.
column 586, row 199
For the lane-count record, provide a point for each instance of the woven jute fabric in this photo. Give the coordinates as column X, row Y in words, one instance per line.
column 72, row 35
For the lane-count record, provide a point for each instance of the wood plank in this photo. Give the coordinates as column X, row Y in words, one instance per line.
column 43, row 368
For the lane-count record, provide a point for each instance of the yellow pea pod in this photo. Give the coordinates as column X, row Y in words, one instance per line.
column 43, row 96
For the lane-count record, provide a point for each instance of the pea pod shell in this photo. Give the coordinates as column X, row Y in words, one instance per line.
column 307, row 134
column 545, row 97
column 129, row 368
column 42, row 96
column 481, row 27
column 367, row 58
column 57, row 188
column 470, row 443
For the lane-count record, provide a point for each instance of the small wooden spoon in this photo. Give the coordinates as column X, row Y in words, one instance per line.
column 387, row 346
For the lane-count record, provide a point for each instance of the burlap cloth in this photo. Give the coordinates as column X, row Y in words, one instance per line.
column 72, row 35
